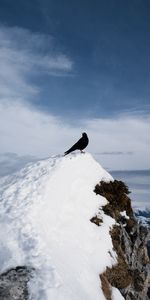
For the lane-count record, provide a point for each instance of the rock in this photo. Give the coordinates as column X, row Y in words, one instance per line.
column 13, row 283
column 131, row 275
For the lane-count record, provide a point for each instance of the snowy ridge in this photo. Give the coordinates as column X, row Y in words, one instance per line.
column 45, row 212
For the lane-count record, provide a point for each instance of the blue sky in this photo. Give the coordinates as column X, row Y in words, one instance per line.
column 73, row 66
column 108, row 43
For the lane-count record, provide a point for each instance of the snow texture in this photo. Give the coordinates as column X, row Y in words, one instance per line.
column 45, row 212
column 124, row 214
column 116, row 295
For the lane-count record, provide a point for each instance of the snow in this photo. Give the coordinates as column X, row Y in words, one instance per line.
column 116, row 295
column 124, row 214
column 45, row 212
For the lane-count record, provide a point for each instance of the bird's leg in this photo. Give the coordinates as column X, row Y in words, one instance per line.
column 82, row 151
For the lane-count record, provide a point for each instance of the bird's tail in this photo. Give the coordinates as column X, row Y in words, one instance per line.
column 67, row 152
column 73, row 148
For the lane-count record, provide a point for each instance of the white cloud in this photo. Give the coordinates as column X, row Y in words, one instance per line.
column 22, row 54
column 26, row 131
column 30, row 49
column 23, row 130
column 124, row 134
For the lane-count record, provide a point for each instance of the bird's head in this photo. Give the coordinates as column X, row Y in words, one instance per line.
column 84, row 134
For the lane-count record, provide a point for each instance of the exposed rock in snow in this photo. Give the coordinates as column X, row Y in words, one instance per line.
column 49, row 215
column 131, row 275
column 13, row 284
column 124, row 214
column 45, row 215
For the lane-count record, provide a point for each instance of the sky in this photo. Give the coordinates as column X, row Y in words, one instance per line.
column 74, row 66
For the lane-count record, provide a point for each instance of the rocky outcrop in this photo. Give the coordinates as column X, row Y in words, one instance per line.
column 13, row 284
column 131, row 275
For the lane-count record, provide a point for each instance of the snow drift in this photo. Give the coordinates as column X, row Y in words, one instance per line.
column 45, row 212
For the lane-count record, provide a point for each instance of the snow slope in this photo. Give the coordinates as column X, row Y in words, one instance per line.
column 45, row 212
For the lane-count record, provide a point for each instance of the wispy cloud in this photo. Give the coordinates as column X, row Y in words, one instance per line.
column 126, row 133
column 24, row 54
column 25, row 130
column 114, row 153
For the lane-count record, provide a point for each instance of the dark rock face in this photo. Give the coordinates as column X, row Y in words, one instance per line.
column 131, row 275
column 13, row 284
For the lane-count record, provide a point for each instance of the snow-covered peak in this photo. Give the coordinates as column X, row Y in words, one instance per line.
column 45, row 212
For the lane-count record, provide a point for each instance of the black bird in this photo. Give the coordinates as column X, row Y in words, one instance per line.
column 80, row 144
